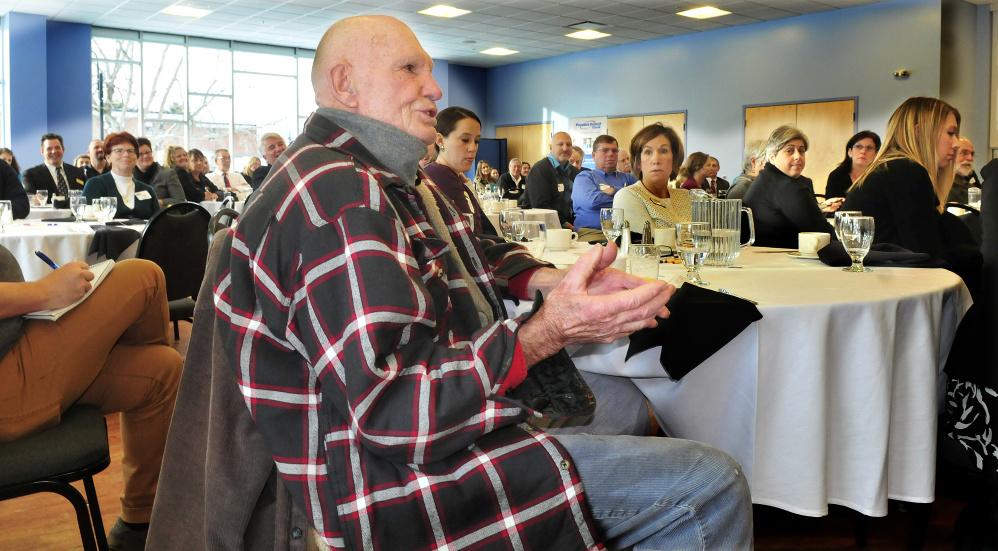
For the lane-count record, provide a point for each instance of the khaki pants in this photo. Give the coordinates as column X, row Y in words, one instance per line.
column 111, row 351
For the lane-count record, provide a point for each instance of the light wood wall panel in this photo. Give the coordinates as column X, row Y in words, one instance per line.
column 514, row 141
column 761, row 121
column 828, row 126
column 536, row 142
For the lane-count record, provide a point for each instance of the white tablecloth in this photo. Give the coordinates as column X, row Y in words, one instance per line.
column 62, row 241
column 213, row 206
column 830, row 398
column 37, row 213
column 548, row 216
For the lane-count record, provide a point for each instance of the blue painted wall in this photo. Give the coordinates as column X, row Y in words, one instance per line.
column 467, row 88
column 27, row 84
column 713, row 75
column 69, row 85
column 48, row 77
column 441, row 75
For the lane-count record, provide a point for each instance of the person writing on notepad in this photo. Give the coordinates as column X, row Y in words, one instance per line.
column 111, row 351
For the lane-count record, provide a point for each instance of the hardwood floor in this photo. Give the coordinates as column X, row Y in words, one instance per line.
column 45, row 522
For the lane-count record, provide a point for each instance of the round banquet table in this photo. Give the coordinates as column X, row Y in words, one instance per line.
column 38, row 213
column 831, row 397
column 213, row 206
column 61, row 241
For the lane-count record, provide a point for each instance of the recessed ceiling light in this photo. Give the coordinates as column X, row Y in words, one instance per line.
column 587, row 34
column 185, row 11
column 498, row 51
column 444, row 11
column 705, row 12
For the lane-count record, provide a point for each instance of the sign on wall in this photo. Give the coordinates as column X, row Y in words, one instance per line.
column 585, row 129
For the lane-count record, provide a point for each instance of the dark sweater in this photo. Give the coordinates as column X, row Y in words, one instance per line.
column 783, row 207
column 543, row 192
column 839, row 182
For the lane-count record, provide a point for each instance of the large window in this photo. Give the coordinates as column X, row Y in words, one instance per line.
column 198, row 93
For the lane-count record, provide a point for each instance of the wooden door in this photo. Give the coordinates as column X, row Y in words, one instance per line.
column 514, row 142
column 828, row 126
column 536, row 142
column 624, row 128
column 761, row 121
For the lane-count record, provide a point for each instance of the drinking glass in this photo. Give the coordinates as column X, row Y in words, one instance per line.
column 839, row 215
column 109, row 206
column 6, row 215
column 644, row 260
column 530, row 234
column 42, row 197
column 612, row 222
column 98, row 209
column 974, row 197
column 693, row 245
column 857, row 235
column 78, row 204
column 506, row 219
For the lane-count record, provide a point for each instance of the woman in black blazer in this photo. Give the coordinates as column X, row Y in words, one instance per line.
column 860, row 151
column 782, row 201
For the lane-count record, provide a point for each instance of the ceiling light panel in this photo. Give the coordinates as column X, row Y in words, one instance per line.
column 441, row 10
column 705, row 12
column 587, row 35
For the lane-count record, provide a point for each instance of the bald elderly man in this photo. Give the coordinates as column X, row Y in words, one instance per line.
column 549, row 184
column 365, row 326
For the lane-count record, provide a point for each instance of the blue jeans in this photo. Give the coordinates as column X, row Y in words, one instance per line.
column 662, row 493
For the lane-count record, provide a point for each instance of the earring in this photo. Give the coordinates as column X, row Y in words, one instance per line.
column 441, row 149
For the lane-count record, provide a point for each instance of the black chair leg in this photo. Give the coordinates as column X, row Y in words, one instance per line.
column 176, row 330
column 862, row 530
column 79, row 504
column 88, row 485
column 920, row 514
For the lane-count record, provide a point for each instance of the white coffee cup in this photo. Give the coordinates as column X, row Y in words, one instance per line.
column 511, row 203
column 561, row 239
column 809, row 243
column 665, row 236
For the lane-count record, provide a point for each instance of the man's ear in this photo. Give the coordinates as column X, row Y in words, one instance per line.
column 342, row 86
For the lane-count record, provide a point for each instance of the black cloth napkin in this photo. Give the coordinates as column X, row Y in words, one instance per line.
column 881, row 254
column 684, row 340
column 111, row 241
column 66, row 219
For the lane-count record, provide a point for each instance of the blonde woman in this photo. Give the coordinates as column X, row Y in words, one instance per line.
column 906, row 185
column 175, row 157
column 252, row 164
column 656, row 153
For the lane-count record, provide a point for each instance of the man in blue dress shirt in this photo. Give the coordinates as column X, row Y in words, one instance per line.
column 593, row 189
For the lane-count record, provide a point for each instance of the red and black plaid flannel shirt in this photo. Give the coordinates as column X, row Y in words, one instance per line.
column 361, row 355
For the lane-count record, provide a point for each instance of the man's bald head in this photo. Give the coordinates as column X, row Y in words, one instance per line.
column 373, row 65
column 561, row 146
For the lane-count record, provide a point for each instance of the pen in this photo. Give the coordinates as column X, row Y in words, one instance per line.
column 46, row 259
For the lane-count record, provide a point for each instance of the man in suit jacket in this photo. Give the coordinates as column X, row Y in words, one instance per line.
column 12, row 190
column 549, row 184
column 271, row 147
column 717, row 186
column 53, row 175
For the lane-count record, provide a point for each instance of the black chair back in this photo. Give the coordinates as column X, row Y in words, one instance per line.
column 222, row 219
column 174, row 239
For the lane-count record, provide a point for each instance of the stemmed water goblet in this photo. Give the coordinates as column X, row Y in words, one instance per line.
column 506, row 219
column 532, row 235
column 693, row 246
column 612, row 223
column 841, row 214
column 6, row 215
column 109, row 206
column 857, row 236
column 77, row 204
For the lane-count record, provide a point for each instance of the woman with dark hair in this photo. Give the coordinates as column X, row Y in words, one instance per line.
column 656, row 153
column 860, row 151
column 8, row 156
column 458, row 133
column 135, row 199
column 199, row 167
column 176, row 158
column 163, row 180
column 782, row 201
column 693, row 174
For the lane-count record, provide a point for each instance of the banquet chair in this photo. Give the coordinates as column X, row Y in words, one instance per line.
column 222, row 219
column 174, row 239
column 971, row 217
column 75, row 449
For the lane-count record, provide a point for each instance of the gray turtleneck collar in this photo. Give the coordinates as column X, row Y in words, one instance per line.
column 399, row 151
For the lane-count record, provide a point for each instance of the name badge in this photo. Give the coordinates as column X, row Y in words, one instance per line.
column 143, row 195
column 58, row 198
column 561, row 188
column 79, row 181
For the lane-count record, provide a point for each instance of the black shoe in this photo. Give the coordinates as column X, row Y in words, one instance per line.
column 125, row 538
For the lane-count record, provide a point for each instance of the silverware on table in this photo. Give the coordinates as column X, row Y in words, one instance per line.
column 729, row 293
